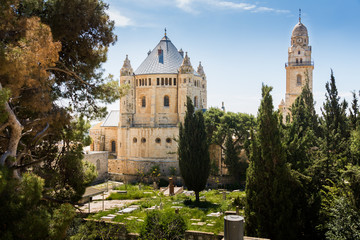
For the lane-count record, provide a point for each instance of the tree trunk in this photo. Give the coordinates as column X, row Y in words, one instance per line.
column 197, row 197
column 16, row 130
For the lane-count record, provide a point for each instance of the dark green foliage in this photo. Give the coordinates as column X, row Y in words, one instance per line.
column 270, row 186
column 354, row 117
column 237, row 166
column 163, row 226
column 344, row 221
column 335, row 133
column 301, row 135
column 193, row 150
column 95, row 230
column 25, row 215
column 218, row 126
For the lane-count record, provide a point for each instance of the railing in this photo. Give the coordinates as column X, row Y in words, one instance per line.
column 291, row 64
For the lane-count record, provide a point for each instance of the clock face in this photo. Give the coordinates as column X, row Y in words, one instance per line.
column 299, row 40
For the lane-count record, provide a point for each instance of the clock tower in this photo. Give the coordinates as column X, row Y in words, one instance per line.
column 299, row 68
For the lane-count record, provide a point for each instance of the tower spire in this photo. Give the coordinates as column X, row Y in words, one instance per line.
column 165, row 32
column 299, row 16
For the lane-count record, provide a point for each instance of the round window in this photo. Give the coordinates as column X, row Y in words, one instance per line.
column 135, row 140
column 157, row 140
column 143, row 140
column 168, row 140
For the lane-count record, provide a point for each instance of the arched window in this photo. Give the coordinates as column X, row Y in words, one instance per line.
column 162, row 81
column 113, row 146
column 298, row 80
column 135, row 140
column 143, row 140
column 300, row 60
column 174, row 81
column 166, row 81
column 143, row 101
column 157, row 140
column 166, row 101
column 168, row 140
column 299, row 52
column 170, row 81
column 297, row 60
column 195, row 101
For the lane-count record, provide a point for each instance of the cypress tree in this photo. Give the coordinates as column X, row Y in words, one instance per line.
column 302, row 132
column 335, row 131
column 193, row 150
column 269, row 210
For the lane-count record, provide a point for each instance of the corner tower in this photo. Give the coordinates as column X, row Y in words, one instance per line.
column 299, row 67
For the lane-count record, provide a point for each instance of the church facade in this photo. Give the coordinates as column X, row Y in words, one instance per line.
column 143, row 132
column 299, row 68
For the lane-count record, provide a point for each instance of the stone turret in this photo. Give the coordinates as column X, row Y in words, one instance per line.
column 126, row 69
column 186, row 66
column 200, row 70
column 127, row 103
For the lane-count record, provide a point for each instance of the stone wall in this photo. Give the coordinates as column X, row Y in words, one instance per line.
column 100, row 160
column 133, row 167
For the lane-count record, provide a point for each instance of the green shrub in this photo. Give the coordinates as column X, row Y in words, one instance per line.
column 159, row 225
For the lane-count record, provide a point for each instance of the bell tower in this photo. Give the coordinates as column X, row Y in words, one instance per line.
column 299, row 68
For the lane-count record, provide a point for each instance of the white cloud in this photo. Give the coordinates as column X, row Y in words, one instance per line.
column 185, row 5
column 243, row 6
column 188, row 6
column 120, row 20
column 266, row 9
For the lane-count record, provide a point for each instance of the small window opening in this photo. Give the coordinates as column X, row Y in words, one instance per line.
column 174, row 81
column 143, row 101
column 158, row 81
column 166, row 101
column 134, row 140
column 298, row 80
column 168, row 140
column 162, row 81
column 299, row 52
column 166, row 81
column 157, row 140
column 300, row 60
column 149, row 81
column 143, row 140
column 170, row 81
column 113, row 146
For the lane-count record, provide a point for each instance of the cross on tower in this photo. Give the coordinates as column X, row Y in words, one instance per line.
column 299, row 15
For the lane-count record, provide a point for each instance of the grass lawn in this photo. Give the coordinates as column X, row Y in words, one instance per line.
column 194, row 214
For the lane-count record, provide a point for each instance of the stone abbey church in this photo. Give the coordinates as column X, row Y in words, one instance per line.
column 142, row 133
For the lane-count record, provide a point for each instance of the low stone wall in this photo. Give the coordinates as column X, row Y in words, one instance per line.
column 100, row 160
column 134, row 166
column 197, row 235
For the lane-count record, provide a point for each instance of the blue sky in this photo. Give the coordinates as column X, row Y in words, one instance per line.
column 242, row 44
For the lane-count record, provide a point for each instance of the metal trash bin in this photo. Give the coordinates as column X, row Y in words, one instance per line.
column 233, row 227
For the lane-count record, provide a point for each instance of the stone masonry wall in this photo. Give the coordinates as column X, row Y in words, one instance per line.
column 100, row 160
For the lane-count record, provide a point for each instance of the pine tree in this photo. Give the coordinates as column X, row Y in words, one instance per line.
column 269, row 209
column 232, row 157
column 193, row 150
column 354, row 116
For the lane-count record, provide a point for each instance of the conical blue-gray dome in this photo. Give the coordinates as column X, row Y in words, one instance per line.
column 164, row 58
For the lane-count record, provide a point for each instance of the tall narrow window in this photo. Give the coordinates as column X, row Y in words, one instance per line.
column 149, row 81
column 137, row 82
column 166, row 101
column 300, row 60
column 162, row 81
column 297, row 60
column 298, row 80
column 113, row 146
column 195, row 101
column 143, row 101
column 170, row 81
column 299, row 52
column 145, row 81
column 174, row 81
column 166, row 81
column 158, row 81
